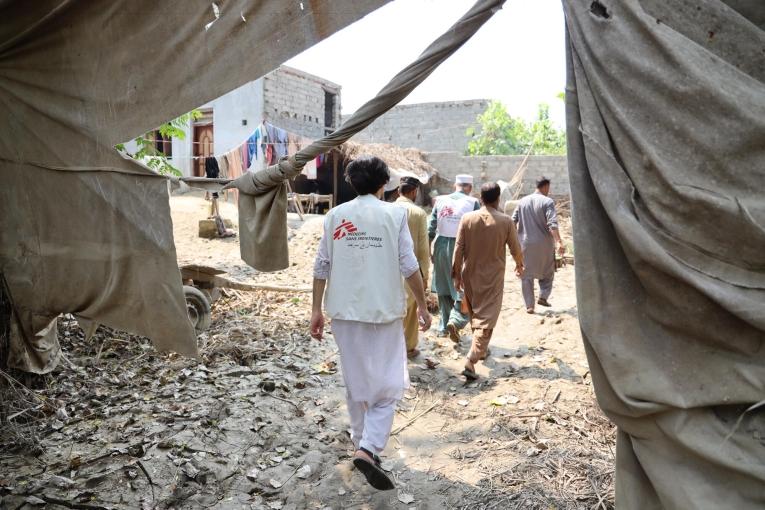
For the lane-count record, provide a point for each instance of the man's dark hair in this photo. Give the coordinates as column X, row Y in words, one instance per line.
column 408, row 184
column 542, row 182
column 390, row 196
column 367, row 174
column 490, row 192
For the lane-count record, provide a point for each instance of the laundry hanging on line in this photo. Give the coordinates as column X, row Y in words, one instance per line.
column 268, row 143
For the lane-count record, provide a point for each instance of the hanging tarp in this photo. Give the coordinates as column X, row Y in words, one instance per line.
column 666, row 134
column 83, row 230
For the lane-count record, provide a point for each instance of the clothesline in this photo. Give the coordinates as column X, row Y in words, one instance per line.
column 202, row 143
column 267, row 144
column 419, row 131
column 221, row 155
column 190, row 157
column 256, row 138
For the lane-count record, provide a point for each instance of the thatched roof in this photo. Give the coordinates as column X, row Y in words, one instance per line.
column 397, row 158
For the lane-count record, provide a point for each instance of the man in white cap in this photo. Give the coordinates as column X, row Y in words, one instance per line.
column 442, row 231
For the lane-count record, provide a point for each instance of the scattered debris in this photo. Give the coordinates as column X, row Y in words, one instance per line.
column 431, row 364
column 259, row 421
column 405, row 498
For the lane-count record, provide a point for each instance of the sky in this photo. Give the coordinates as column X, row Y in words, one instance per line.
column 518, row 57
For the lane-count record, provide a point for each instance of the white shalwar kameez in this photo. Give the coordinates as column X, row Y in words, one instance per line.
column 372, row 357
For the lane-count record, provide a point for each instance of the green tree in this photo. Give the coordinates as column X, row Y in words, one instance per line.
column 148, row 153
column 499, row 133
column 545, row 138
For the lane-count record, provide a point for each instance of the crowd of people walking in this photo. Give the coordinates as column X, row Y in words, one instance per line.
column 370, row 277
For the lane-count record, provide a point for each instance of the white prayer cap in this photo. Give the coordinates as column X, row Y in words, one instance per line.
column 393, row 183
column 463, row 179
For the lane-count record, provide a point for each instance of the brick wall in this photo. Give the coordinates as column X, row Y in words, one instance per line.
column 493, row 168
column 294, row 100
column 426, row 126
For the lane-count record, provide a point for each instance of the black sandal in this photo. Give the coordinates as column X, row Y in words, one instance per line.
column 373, row 472
column 470, row 375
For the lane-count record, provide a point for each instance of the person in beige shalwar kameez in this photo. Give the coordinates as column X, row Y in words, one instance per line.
column 478, row 268
column 417, row 220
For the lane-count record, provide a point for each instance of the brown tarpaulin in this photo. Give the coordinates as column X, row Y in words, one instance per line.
column 666, row 134
column 666, row 122
column 83, row 230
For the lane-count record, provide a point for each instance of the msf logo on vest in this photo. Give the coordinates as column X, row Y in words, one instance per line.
column 445, row 212
column 345, row 228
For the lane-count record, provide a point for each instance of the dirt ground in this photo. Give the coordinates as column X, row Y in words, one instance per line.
column 188, row 209
column 260, row 421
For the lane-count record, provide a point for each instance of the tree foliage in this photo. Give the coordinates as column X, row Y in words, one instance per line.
column 501, row 134
column 147, row 151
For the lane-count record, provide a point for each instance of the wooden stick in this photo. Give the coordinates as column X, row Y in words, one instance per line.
column 151, row 482
column 334, row 179
column 70, row 504
column 225, row 283
column 298, row 205
column 405, row 425
column 280, row 398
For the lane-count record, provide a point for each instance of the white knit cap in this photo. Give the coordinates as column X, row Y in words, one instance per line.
column 463, row 179
column 393, row 183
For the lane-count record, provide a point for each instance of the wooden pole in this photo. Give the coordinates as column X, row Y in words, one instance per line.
column 295, row 200
column 334, row 178
column 5, row 323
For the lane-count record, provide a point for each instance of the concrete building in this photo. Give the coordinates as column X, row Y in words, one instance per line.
column 288, row 98
column 426, row 126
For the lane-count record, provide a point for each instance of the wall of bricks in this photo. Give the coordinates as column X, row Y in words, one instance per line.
column 294, row 100
column 426, row 126
column 493, row 168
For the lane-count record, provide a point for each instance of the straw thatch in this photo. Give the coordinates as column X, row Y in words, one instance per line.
column 396, row 157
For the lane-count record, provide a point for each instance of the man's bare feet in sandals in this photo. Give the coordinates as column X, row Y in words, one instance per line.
column 369, row 465
column 469, row 372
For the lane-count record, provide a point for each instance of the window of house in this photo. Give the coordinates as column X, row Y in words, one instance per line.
column 163, row 144
column 329, row 109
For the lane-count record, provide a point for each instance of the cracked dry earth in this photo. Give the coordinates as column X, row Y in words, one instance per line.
column 260, row 420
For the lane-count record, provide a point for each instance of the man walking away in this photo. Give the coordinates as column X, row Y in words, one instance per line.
column 364, row 252
column 442, row 230
column 537, row 224
column 479, row 269
column 417, row 220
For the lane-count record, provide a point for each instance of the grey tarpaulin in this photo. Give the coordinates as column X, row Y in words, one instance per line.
column 263, row 205
column 83, row 230
column 666, row 131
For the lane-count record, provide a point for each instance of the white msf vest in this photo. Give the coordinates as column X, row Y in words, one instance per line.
column 365, row 282
column 450, row 212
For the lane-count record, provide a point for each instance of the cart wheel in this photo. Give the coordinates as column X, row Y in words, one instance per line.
column 198, row 307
